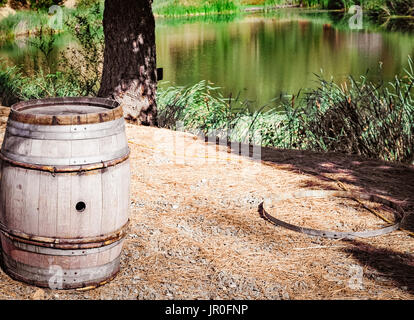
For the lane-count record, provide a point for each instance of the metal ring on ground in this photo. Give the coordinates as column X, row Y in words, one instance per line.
column 336, row 234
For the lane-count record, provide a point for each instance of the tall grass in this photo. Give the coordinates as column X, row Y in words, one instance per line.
column 9, row 84
column 22, row 22
column 371, row 119
column 387, row 8
column 177, row 8
column 375, row 120
column 16, row 86
column 25, row 22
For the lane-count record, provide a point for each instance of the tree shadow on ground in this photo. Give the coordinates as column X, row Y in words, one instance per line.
column 395, row 266
column 392, row 180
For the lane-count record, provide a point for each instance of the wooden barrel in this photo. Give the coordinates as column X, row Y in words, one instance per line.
column 64, row 193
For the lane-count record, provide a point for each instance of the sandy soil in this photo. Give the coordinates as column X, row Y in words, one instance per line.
column 196, row 233
column 6, row 11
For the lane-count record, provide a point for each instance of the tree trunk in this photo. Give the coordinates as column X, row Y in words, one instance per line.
column 129, row 71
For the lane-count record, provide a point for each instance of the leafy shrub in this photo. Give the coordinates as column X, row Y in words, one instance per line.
column 9, row 84
column 83, row 64
column 14, row 86
column 85, row 4
column 34, row 4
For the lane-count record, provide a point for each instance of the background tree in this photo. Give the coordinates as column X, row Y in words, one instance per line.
column 129, row 71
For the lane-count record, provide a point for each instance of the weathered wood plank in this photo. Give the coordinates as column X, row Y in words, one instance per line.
column 32, row 196
column 18, row 200
column 78, row 219
column 110, row 200
column 94, row 189
column 48, row 205
column 64, row 201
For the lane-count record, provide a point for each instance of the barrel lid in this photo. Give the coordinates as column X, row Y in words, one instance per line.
column 66, row 111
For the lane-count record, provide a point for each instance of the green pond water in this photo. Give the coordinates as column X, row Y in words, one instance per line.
column 260, row 55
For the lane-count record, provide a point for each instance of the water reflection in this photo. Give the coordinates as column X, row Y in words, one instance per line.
column 260, row 55
column 263, row 55
column 35, row 54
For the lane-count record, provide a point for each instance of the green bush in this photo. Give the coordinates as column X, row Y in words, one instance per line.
column 9, row 84
column 34, row 4
column 83, row 65
column 15, row 86
column 400, row 7
column 85, row 4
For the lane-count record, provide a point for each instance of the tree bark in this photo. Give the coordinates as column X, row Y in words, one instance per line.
column 129, row 71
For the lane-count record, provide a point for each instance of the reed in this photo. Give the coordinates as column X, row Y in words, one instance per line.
column 176, row 8
column 357, row 117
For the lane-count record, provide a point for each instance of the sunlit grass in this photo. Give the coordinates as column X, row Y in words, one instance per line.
column 181, row 8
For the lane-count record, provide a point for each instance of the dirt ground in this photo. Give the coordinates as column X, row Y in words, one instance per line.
column 196, row 233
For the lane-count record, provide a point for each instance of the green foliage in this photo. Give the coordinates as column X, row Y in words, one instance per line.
column 47, row 85
column 15, row 86
column 3, row 3
column 37, row 21
column 370, row 119
column 35, row 4
column 198, row 107
column 44, row 4
column 176, row 8
column 80, row 67
column 22, row 22
column 202, row 109
column 9, row 84
column 83, row 64
column 387, row 8
column 86, row 4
